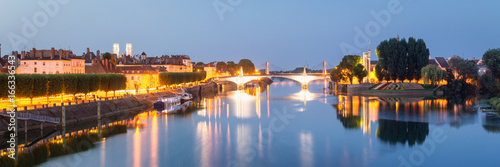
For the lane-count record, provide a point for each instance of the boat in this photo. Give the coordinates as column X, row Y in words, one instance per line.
column 174, row 108
column 166, row 101
column 185, row 97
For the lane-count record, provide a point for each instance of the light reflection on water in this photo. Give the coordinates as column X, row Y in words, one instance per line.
column 234, row 128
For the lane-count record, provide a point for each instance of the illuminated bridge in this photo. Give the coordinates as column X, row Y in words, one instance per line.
column 303, row 78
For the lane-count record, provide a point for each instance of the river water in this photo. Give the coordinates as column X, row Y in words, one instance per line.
column 282, row 125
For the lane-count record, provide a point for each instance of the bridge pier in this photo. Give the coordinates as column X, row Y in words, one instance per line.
column 305, row 86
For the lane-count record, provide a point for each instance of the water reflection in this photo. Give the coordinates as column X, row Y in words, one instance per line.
column 402, row 119
column 306, row 149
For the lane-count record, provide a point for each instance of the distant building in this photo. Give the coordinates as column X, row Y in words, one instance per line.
column 482, row 67
column 116, row 49
column 439, row 62
column 367, row 65
column 174, row 63
column 50, row 62
column 129, row 49
column 211, row 71
column 140, row 76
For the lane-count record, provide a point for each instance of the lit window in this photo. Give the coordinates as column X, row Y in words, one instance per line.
column 132, row 77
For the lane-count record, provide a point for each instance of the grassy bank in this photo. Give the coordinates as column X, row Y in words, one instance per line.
column 74, row 144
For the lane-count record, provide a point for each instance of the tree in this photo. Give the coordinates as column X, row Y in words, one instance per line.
column 54, row 85
column 335, row 75
column 70, row 85
column 109, row 56
column 491, row 59
column 402, row 60
column 466, row 69
column 347, row 65
column 379, row 73
column 248, row 66
column 432, row 73
column 360, row 72
column 231, row 67
column 221, row 66
column 39, row 86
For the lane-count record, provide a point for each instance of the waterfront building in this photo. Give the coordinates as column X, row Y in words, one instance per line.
column 49, row 62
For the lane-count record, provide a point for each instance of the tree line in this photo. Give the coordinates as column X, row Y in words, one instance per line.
column 231, row 67
column 38, row 85
column 401, row 59
column 182, row 77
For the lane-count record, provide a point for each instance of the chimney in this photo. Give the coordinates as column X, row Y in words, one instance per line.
column 23, row 53
column 88, row 50
column 52, row 52
column 33, row 53
column 98, row 55
column 107, row 64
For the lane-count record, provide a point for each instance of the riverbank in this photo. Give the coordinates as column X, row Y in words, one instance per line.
column 397, row 93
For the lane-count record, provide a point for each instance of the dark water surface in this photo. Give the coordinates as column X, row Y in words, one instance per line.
column 280, row 125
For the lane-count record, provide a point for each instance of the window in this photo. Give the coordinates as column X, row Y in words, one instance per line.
column 57, row 72
column 57, row 64
column 35, row 62
column 44, row 63
column 34, row 70
column 24, row 63
column 132, row 77
column 43, row 72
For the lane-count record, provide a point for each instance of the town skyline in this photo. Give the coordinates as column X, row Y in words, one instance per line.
column 265, row 29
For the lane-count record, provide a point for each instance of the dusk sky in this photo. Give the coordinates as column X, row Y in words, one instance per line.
column 287, row 33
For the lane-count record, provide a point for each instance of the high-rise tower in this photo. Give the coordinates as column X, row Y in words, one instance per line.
column 116, row 49
column 129, row 49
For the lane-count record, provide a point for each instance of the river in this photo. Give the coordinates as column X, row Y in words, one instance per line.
column 282, row 125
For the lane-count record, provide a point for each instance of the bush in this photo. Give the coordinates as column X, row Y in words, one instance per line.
column 498, row 106
column 493, row 99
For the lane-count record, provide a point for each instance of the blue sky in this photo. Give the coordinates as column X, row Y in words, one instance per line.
column 287, row 33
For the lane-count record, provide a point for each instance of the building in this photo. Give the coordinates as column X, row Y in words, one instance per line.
column 49, row 62
column 367, row 65
column 211, row 71
column 174, row 63
column 116, row 49
column 129, row 49
column 140, row 76
column 439, row 62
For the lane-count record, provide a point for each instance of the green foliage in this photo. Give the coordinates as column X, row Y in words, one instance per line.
column 109, row 56
column 55, row 84
column 466, row 69
column 433, row 74
column 184, row 77
column 491, row 59
column 400, row 60
column 39, row 85
column 335, row 75
column 104, row 84
column 93, row 82
column 4, row 86
column 488, row 84
column 379, row 73
column 221, row 66
column 70, row 85
column 248, row 66
column 347, row 65
column 360, row 72
column 24, row 85
column 83, row 84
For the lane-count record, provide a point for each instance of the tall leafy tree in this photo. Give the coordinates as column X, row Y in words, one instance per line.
column 221, row 66
column 360, row 72
column 466, row 69
column 422, row 53
column 39, row 85
column 347, row 66
column 411, row 59
column 248, row 66
column 335, row 75
column 491, row 59
column 433, row 74
column 54, row 85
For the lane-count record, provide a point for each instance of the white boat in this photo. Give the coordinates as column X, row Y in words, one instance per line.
column 175, row 108
column 167, row 101
column 185, row 96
